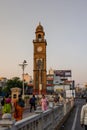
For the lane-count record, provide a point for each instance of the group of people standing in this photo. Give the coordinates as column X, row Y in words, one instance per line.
column 43, row 103
column 12, row 109
column 15, row 109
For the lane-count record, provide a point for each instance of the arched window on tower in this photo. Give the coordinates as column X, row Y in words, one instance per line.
column 39, row 37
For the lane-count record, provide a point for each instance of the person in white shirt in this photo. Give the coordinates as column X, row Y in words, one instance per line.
column 83, row 116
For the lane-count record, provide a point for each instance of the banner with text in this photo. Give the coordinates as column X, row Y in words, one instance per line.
column 62, row 73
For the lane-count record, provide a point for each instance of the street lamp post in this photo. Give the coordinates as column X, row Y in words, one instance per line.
column 23, row 65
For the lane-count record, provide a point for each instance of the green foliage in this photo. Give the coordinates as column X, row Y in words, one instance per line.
column 14, row 82
column 6, row 90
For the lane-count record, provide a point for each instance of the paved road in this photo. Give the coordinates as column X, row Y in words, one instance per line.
column 73, row 122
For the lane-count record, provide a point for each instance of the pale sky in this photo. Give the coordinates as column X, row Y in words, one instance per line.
column 65, row 26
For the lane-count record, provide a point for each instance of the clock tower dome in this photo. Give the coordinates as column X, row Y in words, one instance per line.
column 39, row 60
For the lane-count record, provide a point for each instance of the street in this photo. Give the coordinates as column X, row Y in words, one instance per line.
column 73, row 122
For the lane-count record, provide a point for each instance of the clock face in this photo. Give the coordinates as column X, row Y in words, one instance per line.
column 39, row 49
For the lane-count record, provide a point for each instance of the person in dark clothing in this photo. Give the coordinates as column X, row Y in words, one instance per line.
column 3, row 101
column 32, row 102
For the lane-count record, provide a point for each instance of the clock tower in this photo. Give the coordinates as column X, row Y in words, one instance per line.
column 39, row 57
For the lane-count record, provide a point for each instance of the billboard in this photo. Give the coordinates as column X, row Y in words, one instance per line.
column 62, row 73
column 57, row 80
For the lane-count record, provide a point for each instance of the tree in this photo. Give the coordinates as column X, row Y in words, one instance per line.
column 14, row 82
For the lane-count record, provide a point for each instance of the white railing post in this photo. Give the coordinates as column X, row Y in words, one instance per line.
column 40, row 127
column 7, row 124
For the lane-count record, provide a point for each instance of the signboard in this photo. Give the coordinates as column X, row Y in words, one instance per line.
column 62, row 73
column 56, row 80
column 63, row 87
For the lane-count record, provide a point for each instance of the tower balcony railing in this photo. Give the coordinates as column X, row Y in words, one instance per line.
column 37, row 40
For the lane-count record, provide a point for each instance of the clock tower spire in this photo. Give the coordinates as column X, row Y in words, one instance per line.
column 39, row 60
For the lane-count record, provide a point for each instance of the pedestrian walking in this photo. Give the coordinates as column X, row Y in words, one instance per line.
column 6, row 107
column 32, row 103
column 83, row 117
column 44, row 103
column 19, row 107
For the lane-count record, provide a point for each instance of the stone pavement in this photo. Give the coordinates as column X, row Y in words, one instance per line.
column 27, row 113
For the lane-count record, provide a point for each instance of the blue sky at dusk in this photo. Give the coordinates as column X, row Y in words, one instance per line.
column 65, row 26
